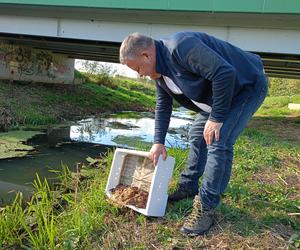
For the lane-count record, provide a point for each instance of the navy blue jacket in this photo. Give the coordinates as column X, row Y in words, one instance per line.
column 207, row 70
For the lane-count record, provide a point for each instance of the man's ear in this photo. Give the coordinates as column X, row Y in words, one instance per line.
column 146, row 54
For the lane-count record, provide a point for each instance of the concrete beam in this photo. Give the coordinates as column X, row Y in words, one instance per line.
column 251, row 39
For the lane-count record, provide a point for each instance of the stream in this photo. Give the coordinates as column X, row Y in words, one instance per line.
column 84, row 138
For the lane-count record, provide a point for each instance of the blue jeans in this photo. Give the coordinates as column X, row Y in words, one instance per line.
column 215, row 160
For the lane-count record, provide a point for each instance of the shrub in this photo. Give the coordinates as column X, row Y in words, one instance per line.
column 100, row 73
column 284, row 87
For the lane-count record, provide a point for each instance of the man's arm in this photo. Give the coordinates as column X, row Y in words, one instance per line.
column 163, row 113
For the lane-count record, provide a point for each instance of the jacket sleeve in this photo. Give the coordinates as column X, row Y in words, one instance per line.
column 199, row 59
column 163, row 111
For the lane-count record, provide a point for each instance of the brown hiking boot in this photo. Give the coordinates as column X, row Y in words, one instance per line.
column 199, row 221
column 182, row 192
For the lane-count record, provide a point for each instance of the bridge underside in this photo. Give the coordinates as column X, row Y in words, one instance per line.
column 276, row 64
column 95, row 33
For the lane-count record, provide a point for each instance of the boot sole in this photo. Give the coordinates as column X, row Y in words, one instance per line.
column 194, row 233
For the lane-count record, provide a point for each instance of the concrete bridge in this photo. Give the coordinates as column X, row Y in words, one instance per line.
column 93, row 29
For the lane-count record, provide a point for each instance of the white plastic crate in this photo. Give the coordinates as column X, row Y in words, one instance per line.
column 158, row 188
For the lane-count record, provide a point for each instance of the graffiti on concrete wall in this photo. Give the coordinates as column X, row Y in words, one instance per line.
column 25, row 63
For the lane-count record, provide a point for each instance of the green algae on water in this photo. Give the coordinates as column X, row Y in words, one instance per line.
column 12, row 143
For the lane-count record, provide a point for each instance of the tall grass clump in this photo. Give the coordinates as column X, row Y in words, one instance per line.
column 41, row 223
column 30, row 225
column 11, row 223
column 65, row 216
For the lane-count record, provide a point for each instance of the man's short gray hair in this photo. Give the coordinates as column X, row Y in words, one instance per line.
column 132, row 45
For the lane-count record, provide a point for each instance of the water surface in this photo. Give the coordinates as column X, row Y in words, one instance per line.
column 85, row 138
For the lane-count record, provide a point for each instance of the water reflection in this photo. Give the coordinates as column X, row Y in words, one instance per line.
column 89, row 137
column 130, row 132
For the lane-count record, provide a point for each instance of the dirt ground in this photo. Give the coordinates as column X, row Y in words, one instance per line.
column 291, row 125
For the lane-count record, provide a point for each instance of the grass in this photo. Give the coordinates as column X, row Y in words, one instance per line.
column 277, row 106
column 260, row 209
column 36, row 105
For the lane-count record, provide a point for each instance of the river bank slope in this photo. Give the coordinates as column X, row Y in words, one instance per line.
column 32, row 104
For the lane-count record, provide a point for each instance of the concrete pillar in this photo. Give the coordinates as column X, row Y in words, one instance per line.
column 27, row 64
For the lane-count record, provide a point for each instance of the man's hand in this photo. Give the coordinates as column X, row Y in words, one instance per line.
column 157, row 150
column 211, row 130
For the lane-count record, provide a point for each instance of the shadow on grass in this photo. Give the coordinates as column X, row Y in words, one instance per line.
column 249, row 222
column 282, row 128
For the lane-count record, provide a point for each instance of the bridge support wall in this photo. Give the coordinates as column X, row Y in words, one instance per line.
column 28, row 64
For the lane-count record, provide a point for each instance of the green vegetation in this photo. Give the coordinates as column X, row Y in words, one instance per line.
column 284, row 87
column 132, row 115
column 277, row 106
column 32, row 104
column 260, row 209
column 12, row 143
